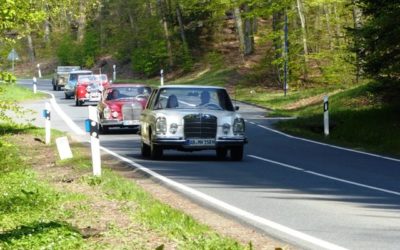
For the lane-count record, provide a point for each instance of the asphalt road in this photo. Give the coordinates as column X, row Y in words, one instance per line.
column 311, row 195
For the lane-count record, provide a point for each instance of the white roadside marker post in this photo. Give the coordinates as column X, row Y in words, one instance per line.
column 39, row 72
column 46, row 115
column 326, row 116
column 114, row 73
column 162, row 77
column 34, row 86
column 92, row 126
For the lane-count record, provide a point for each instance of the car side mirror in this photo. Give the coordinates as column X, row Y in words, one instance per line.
column 237, row 108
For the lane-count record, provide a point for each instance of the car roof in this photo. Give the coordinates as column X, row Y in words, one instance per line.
column 191, row 87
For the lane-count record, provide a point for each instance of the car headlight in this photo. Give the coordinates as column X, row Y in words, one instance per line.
column 114, row 114
column 107, row 113
column 238, row 126
column 161, row 125
column 225, row 128
column 173, row 128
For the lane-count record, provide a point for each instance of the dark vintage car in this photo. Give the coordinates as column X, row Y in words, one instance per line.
column 61, row 75
column 89, row 88
column 121, row 105
column 191, row 118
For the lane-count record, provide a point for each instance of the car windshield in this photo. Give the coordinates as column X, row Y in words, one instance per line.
column 74, row 76
column 91, row 78
column 193, row 98
column 127, row 92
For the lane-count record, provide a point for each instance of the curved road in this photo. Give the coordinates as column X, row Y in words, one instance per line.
column 313, row 196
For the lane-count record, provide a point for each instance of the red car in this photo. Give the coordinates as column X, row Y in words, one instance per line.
column 89, row 88
column 121, row 105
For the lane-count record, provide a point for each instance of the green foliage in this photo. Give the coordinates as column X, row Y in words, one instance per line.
column 150, row 57
column 378, row 38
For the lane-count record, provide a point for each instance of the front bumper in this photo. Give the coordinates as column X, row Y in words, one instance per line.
column 180, row 142
column 120, row 123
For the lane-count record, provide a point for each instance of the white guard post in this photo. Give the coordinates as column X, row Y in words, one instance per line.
column 162, row 77
column 39, row 72
column 34, row 86
column 46, row 115
column 326, row 116
column 94, row 140
column 64, row 150
column 114, row 73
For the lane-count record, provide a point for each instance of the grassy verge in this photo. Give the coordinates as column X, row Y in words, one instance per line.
column 14, row 93
column 46, row 203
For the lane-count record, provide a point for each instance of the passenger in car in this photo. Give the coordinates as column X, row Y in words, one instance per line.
column 172, row 102
column 205, row 98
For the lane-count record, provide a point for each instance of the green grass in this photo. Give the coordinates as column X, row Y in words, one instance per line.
column 30, row 214
column 14, row 93
column 34, row 215
column 365, row 118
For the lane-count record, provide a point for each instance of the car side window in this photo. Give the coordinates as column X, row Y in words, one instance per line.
column 150, row 103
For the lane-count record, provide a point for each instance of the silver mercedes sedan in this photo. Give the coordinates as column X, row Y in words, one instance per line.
column 191, row 118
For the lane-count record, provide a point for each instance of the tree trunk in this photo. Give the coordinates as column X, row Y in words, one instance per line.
column 300, row 10
column 248, row 33
column 277, row 20
column 239, row 30
column 328, row 26
column 46, row 37
column 181, row 27
column 81, row 21
column 31, row 48
column 357, row 15
column 166, row 33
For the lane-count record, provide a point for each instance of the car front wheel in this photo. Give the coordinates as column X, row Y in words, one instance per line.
column 145, row 149
column 237, row 153
column 221, row 153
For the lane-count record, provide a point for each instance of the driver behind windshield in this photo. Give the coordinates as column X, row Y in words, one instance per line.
column 205, row 98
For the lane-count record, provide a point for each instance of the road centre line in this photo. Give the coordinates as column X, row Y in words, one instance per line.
column 327, row 145
column 326, row 176
column 209, row 199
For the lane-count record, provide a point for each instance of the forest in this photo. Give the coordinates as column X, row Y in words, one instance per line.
column 307, row 42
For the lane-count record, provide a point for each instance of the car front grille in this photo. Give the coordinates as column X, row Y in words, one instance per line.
column 200, row 126
column 130, row 113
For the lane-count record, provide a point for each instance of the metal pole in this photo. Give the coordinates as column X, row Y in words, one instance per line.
column 326, row 115
column 162, row 77
column 286, row 45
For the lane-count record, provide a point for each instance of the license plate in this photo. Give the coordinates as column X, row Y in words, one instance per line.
column 132, row 122
column 94, row 97
column 201, row 142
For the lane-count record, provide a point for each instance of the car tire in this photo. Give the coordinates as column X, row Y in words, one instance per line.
column 67, row 96
column 58, row 88
column 78, row 103
column 54, row 87
column 103, row 129
column 156, row 152
column 221, row 153
column 237, row 153
column 145, row 149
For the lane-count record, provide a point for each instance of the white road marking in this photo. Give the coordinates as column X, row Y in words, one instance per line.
column 326, row 176
column 328, row 145
column 77, row 130
column 211, row 200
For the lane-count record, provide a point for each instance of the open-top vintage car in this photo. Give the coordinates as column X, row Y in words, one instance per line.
column 89, row 88
column 190, row 118
column 121, row 105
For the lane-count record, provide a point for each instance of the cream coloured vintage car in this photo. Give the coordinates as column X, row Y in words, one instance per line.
column 191, row 118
